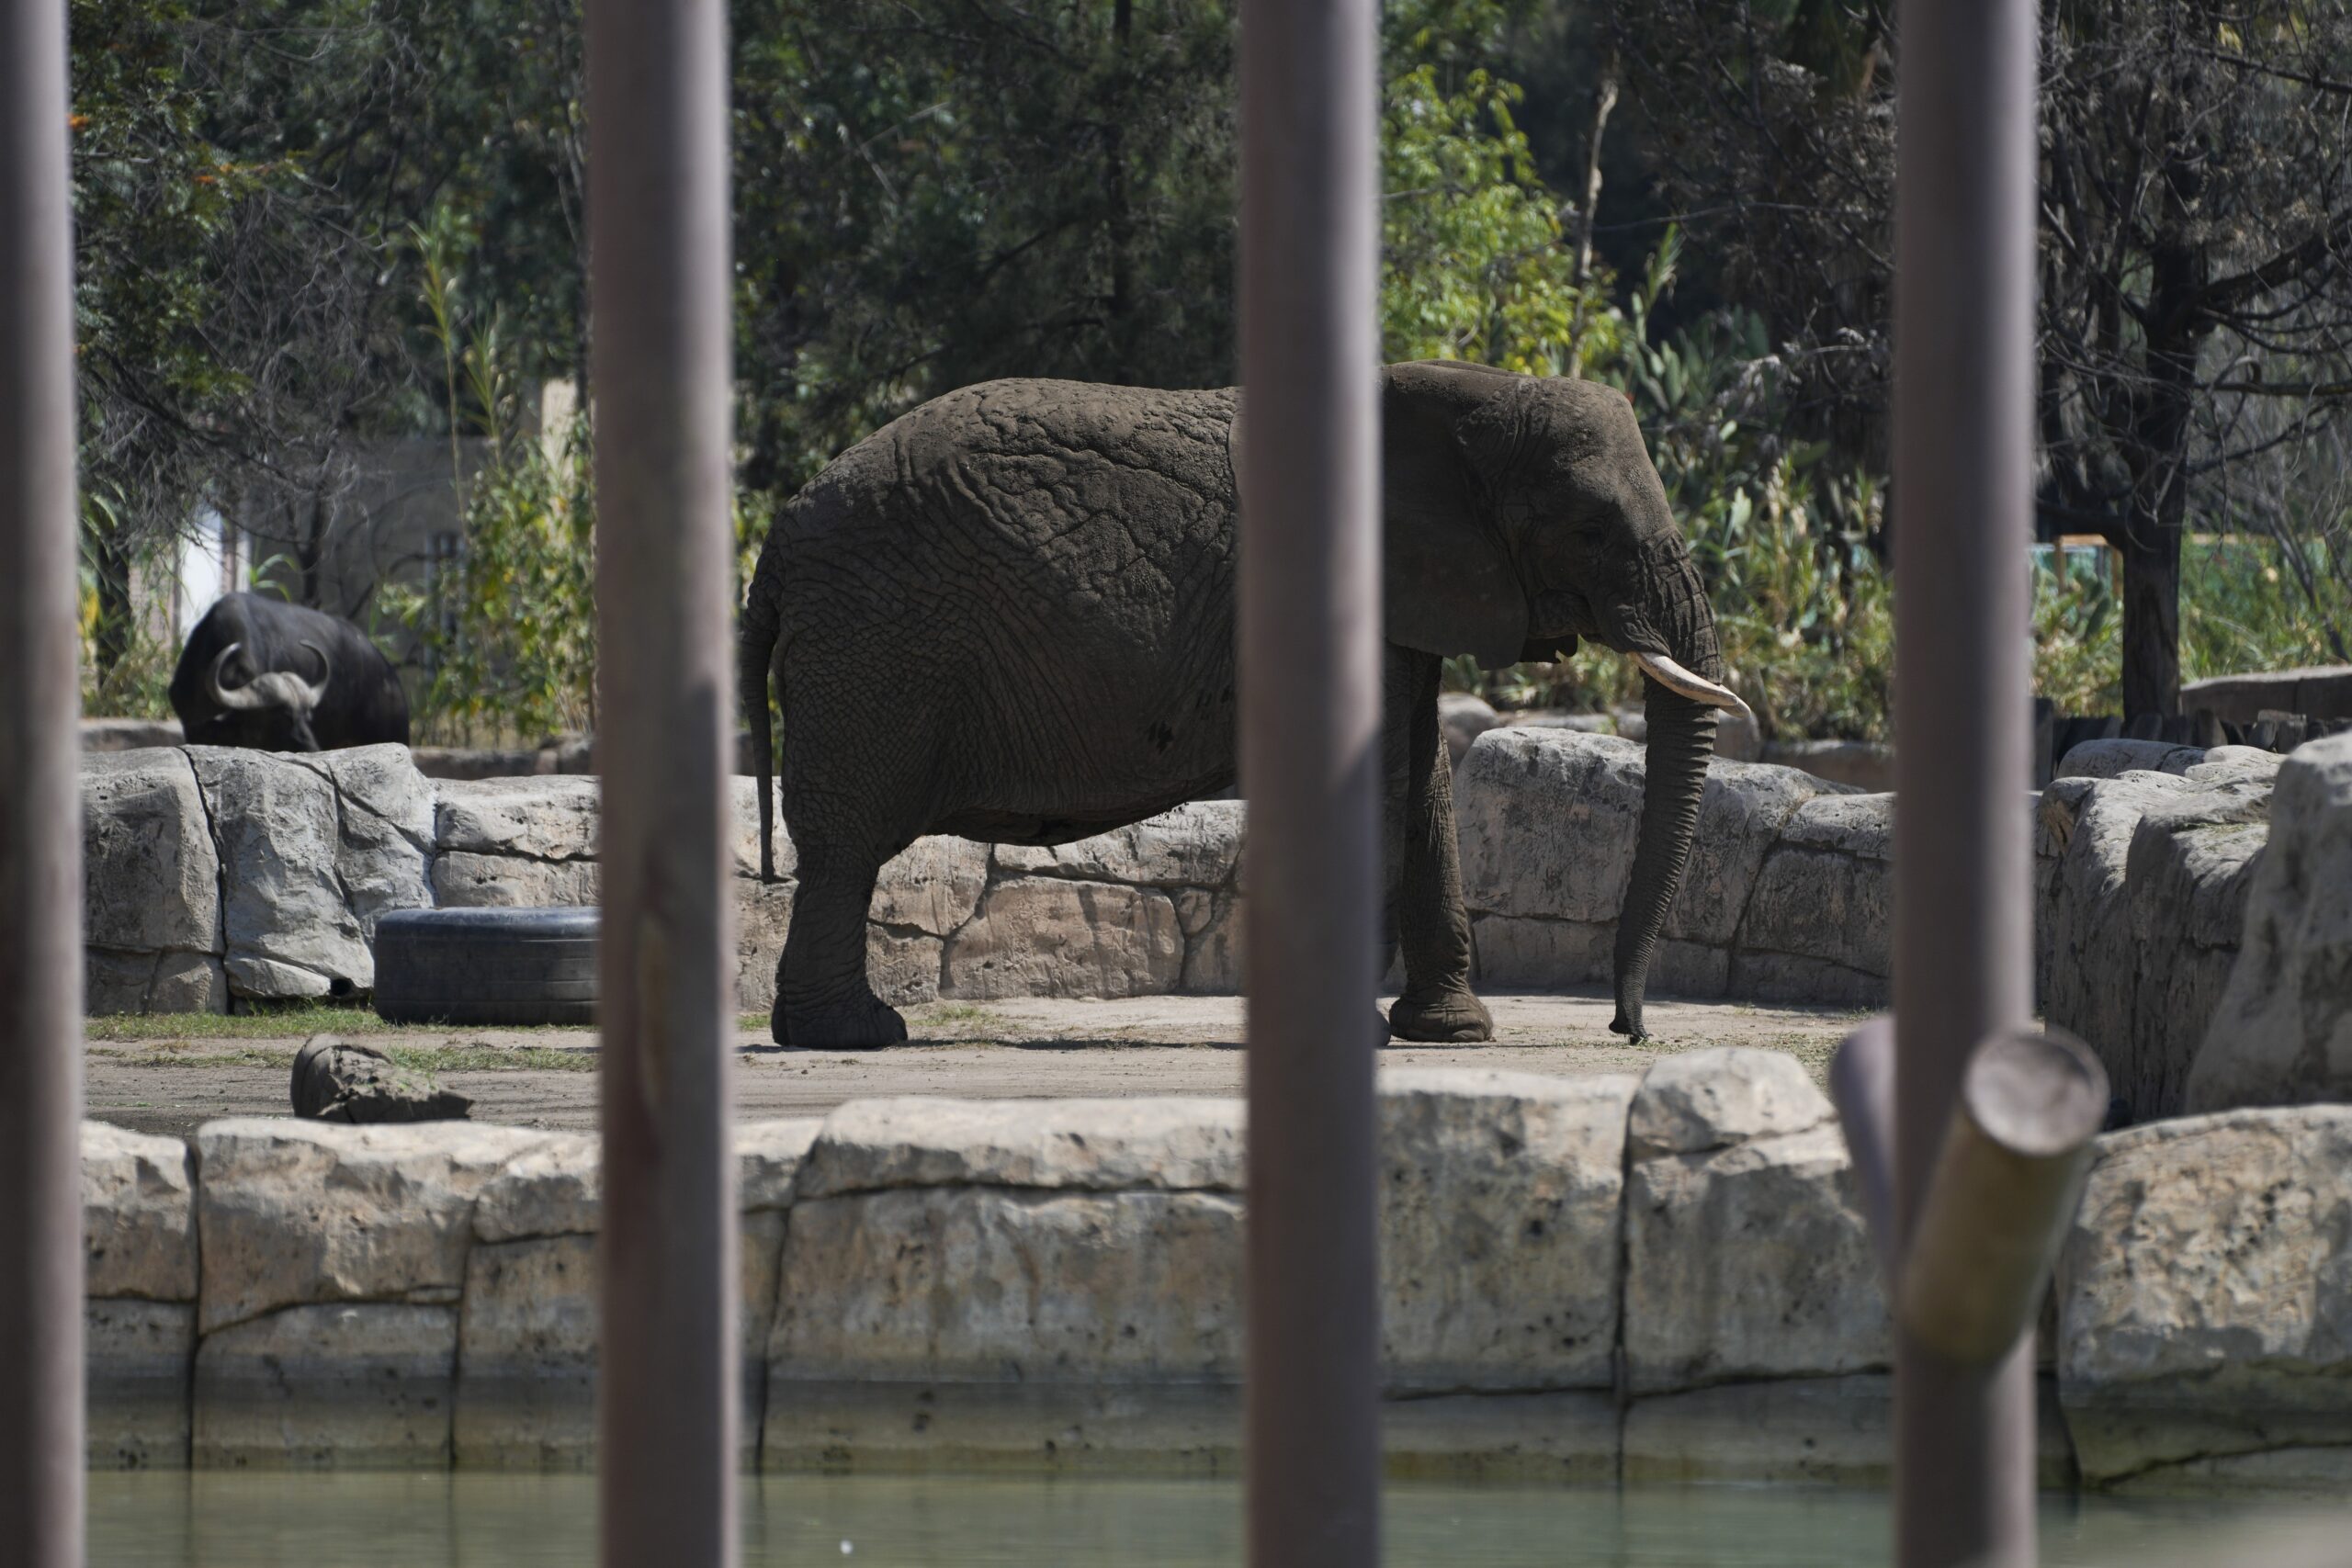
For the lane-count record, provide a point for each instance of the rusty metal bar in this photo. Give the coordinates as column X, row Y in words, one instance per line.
column 40, row 833
column 659, row 351
column 1310, row 750
column 1963, row 399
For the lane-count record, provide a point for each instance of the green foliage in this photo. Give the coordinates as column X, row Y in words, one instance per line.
column 1473, row 266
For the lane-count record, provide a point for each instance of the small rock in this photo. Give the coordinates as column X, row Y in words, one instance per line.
column 337, row 1081
column 1725, row 1094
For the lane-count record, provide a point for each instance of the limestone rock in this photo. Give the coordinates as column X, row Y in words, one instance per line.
column 1500, row 1203
column 286, row 929
column 1089, row 1145
column 153, row 982
column 1820, row 904
column 2205, row 1292
column 1463, row 717
column 903, row 966
column 526, row 1356
column 138, row 1215
column 744, row 823
column 352, row 1386
column 1857, row 825
column 1513, row 951
column 768, row 1157
column 2113, row 758
column 338, row 1081
column 1794, row 978
column 136, row 1357
column 1548, row 821
column 548, row 819
column 1697, row 1100
column 763, row 919
column 932, row 886
column 151, row 878
column 2140, row 924
column 293, row 1213
column 1197, row 845
column 384, row 812
column 1047, row 936
column 463, row 880
column 1212, row 927
column 2282, row 1032
column 993, row 1284
column 549, row 1189
column 1749, row 1263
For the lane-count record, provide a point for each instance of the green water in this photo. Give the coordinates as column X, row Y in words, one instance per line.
column 246, row 1520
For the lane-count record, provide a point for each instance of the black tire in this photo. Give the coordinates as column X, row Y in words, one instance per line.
column 475, row 966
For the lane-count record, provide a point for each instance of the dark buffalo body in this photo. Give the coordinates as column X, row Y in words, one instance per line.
column 261, row 674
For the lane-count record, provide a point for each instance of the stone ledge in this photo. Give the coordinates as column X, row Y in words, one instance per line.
column 1060, row 1283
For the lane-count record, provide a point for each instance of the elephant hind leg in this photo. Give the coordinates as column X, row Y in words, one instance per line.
column 1431, row 924
column 822, row 998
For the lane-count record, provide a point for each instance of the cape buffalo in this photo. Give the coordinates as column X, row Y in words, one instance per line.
column 263, row 674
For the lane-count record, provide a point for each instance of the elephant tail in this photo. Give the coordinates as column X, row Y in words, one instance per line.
column 754, row 651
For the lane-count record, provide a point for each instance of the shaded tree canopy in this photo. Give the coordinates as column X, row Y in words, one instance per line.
column 2196, row 250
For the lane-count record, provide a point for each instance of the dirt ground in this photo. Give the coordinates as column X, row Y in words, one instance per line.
column 169, row 1075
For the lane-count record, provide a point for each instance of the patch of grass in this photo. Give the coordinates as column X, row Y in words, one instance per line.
column 954, row 1012
column 286, row 1024
column 465, row 1058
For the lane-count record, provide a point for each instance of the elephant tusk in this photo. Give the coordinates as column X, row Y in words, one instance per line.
column 1698, row 688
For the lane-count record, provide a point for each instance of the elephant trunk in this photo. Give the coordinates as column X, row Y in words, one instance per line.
column 1681, row 731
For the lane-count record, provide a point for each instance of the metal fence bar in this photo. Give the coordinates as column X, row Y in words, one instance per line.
column 1963, row 399
column 41, row 834
column 1310, row 749
column 659, row 350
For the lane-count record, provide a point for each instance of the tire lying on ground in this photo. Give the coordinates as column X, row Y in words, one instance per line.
column 513, row 966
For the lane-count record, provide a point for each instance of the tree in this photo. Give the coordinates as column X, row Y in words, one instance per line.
column 2195, row 248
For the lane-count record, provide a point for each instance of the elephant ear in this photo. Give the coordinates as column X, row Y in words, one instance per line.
column 1448, row 583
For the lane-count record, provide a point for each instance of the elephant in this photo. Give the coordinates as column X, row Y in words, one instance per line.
column 1042, row 574
column 260, row 673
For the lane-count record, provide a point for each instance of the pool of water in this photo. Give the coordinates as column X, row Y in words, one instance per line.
column 247, row 1520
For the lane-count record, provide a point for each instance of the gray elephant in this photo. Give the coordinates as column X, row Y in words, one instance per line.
column 1042, row 575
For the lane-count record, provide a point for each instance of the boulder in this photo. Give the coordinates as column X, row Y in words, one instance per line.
column 2205, row 1297
column 1548, row 819
column 384, row 815
column 1500, row 1201
column 1101, row 1146
column 354, row 1385
column 299, row 1213
column 932, row 886
column 153, row 982
column 1748, row 1260
column 338, row 1082
column 1697, row 1102
column 2282, row 1032
column 544, row 819
column 1047, row 936
column 550, row 1189
column 138, row 1215
column 2140, row 921
column 151, row 878
column 2113, row 758
column 288, row 930
column 464, row 880
column 1198, row 845
column 1463, row 717
column 993, row 1284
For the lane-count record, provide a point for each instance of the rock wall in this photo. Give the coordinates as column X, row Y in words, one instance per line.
column 1663, row 1276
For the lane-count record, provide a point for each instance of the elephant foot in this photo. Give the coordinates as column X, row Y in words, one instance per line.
column 1451, row 1017
column 860, row 1023
column 1628, row 1026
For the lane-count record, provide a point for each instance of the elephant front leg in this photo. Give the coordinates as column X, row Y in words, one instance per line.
column 1432, row 925
column 822, row 999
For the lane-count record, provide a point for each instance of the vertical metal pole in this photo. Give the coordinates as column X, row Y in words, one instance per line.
column 1963, row 398
column 1310, row 750
column 40, row 832
column 659, row 350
